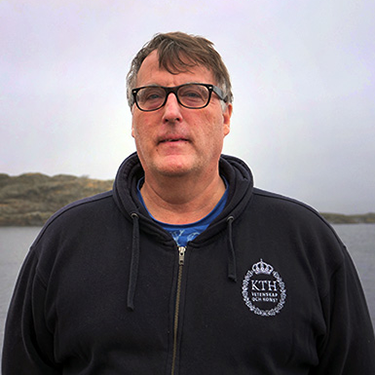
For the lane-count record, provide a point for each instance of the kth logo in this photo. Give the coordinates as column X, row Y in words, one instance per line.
column 263, row 290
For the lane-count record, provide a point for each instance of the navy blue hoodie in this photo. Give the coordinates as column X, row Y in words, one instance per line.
column 268, row 288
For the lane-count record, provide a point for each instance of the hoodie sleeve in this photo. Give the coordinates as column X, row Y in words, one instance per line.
column 28, row 344
column 348, row 346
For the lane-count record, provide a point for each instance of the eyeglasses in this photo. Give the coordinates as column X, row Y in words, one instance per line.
column 189, row 95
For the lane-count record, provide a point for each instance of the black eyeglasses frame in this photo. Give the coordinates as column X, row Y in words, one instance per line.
column 174, row 89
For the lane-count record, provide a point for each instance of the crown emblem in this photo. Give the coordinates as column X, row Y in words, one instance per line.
column 262, row 267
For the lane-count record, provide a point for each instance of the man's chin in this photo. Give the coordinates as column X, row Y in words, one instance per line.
column 175, row 167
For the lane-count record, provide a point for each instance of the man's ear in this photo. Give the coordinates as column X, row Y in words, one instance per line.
column 132, row 113
column 227, row 114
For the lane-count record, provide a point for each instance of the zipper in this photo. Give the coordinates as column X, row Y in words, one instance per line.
column 181, row 260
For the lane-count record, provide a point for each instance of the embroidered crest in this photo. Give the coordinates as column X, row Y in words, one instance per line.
column 263, row 290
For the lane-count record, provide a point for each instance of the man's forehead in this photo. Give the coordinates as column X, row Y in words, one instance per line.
column 151, row 67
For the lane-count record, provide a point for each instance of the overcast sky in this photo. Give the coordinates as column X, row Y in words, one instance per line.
column 303, row 75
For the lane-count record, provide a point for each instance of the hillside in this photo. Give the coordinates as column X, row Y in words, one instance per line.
column 368, row 218
column 31, row 198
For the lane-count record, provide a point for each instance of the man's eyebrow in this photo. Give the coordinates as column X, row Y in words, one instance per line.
column 157, row 85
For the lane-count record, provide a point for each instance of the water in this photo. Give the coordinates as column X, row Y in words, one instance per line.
column 14, row 243
column 360, row 242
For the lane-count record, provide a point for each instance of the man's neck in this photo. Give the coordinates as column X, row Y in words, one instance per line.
column 180, row 201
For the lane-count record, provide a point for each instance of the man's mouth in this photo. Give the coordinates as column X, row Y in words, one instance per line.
column 174, row 140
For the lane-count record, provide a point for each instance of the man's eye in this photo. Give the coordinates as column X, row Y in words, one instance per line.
column 151, row 95
column 192, row 94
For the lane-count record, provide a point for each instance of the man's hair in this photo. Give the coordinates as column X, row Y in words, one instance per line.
column 178, row 52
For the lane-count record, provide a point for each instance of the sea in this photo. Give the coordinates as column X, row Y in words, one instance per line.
column 15, row 241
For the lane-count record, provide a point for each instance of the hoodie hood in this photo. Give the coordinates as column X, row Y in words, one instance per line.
column 240, row 181
column 236, row 172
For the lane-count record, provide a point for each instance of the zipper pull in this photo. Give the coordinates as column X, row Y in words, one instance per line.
column 181, row 255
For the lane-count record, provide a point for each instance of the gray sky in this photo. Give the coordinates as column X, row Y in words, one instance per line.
column 303, row 75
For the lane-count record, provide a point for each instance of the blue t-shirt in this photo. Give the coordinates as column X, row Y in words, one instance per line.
column 183, row 233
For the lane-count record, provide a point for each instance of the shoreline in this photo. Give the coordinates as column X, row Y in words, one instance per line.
column 38, row 219
column 30, row 199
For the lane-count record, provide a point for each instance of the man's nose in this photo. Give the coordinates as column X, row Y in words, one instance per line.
column 172, row 109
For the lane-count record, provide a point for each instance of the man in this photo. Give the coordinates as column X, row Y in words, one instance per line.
column 185, row 267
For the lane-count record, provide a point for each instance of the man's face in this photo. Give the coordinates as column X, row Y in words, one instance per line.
column 176, row 141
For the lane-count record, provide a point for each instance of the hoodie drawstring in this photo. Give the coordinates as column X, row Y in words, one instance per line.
column 134, row 264
column 232, row 267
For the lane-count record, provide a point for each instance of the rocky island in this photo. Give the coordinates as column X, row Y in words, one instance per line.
column 31, row 198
